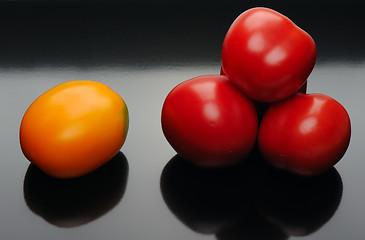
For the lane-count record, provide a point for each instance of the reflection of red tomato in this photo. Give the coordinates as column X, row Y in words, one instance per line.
column 305, row 134
column 266, row 55
column 208, row 201
column 298, row 205
column 74, row 128
column 209, row 121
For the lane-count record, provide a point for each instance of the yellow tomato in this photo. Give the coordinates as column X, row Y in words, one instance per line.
column 74, row 128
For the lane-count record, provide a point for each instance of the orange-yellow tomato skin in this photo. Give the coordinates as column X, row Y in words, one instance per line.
column 74, row 128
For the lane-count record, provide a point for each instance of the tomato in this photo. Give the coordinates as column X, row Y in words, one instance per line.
column 266, row 55
column 209, row 122
column 305, row 134
column 74, row 128
column 262, row 106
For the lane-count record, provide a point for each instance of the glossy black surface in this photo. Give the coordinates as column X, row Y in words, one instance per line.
column 142, row 50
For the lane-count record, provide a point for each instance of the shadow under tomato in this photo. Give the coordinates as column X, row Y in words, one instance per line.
column 251, row 200
column 74, row 202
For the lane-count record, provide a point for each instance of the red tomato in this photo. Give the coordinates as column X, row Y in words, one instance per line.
column 266, row 55
column 305, row 134
column 209, row 122
column 74, row 128
column 262, row 106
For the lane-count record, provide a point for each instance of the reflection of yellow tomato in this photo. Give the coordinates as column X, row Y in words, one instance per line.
column 74, row 128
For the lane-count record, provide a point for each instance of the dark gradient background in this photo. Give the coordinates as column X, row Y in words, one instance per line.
column 142, row 49
column 150, row 33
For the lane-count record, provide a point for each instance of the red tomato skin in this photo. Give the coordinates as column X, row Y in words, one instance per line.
column 262, row 106
column 305, row 134
column 209, row 122
column 266, row 55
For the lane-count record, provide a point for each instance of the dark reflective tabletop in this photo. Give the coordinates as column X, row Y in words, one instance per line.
column 142, row 49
